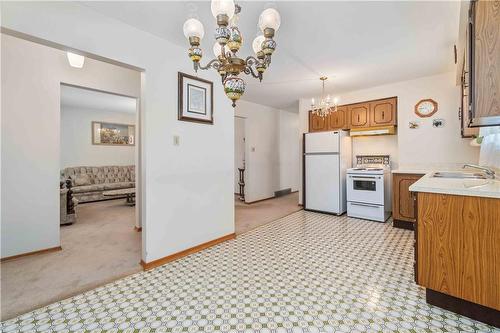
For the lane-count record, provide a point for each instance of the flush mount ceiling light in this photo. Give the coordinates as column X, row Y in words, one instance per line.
column 228, row 41
column 75, row 60
column 325, row 105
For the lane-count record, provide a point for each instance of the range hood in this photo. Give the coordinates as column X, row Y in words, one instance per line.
column 385, row 130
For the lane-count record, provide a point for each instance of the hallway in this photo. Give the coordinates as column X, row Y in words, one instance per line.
column 251, row 216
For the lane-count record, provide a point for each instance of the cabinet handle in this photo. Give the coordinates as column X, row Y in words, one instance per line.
column 383, row 115
column 358, row 118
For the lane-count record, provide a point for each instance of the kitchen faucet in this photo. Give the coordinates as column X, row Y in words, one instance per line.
column 489, row 172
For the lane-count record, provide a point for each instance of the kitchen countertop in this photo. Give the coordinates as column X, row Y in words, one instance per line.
column 488, row 188
column 411, row 171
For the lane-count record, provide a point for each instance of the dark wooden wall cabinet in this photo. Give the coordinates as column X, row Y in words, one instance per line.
column 370, row 114
column 403, row 211
column 483, row 63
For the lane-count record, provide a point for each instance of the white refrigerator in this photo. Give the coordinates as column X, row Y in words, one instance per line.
column 327, row 156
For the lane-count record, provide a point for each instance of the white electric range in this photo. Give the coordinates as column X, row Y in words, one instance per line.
column 369, row 188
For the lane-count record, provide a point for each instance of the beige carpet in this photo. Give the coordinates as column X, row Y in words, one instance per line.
column 251, row 216
column 102, row 246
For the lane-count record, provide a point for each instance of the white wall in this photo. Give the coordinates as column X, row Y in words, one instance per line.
column 425, row 147
column 262, row 150
column 31, row 77
column 272, row 151
column 239, row 150
column 188, row 188
column 289, row 150
column 76, row 138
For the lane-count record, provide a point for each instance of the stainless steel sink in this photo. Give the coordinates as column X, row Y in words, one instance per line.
column 459, row 175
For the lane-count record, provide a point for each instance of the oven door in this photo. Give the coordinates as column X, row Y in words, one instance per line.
column 365, row 188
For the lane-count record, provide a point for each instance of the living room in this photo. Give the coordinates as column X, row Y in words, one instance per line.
column 92, row 126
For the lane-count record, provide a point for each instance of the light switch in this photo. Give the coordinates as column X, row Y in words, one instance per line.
column 176, row 140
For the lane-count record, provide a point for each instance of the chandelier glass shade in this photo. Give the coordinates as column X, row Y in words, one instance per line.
column 325, row 105
column 228, row 42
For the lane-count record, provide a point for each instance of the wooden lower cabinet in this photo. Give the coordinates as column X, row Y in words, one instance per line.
column 458, row 247
column 403, row 212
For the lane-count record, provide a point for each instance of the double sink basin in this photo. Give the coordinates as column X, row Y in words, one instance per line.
column 459, row 175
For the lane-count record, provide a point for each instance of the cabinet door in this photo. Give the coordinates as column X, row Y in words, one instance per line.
column 359, row 115
column 485, row 63
column 337, row 119
column 383, row 112
column 458, row 243
column 317, row 123
column 402, row 199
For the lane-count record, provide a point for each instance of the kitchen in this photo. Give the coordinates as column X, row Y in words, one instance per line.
column 416, row 134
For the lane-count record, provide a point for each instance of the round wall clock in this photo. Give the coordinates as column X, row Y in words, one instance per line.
column 426, row 108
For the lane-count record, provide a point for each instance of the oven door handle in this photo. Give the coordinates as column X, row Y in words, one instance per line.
column 364, row 205
column 364, row 177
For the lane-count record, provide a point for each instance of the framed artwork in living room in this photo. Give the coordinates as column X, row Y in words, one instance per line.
column 195, row 99
column 113, row 134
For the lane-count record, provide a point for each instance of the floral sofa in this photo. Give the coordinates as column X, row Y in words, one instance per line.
column 88, row 183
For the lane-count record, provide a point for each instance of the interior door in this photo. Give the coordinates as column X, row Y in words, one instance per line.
column 322, row 182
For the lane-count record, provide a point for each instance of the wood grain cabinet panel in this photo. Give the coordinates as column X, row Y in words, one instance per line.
column 402, row 199
column 383, row 112
column 458, row 245
column 338, row 119
column 317, row 123
column 487, row 58
column 359, row 115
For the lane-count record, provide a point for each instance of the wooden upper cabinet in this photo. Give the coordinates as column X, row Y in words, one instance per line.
column 359, row 115
column 484, row 65
column 383, row 112
column 377, row 113
column 338, row 119
column 317, row 123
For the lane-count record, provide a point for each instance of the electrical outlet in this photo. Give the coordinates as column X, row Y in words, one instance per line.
column 176, row 140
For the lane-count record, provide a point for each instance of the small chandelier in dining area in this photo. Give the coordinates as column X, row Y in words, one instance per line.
column 228, row 42
column 325, row 105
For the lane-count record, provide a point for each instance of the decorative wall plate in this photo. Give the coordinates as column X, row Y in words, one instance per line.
column 426, row 108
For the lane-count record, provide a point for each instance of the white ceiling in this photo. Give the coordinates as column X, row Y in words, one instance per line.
column 357, row 44
column 81, row 98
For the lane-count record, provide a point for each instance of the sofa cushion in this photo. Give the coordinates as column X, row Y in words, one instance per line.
column 102, row 174
column 116, row 186
column 88, row 188
column 81, row 180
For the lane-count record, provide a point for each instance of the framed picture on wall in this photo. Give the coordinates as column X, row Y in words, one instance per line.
column 113, row 134
column 196, row 99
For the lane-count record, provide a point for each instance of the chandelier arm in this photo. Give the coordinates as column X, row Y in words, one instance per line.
column 251, row 60
column 214, row 63
column 249, row 71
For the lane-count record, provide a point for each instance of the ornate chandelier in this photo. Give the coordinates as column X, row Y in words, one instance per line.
column 228, row 41
column 325, row 107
